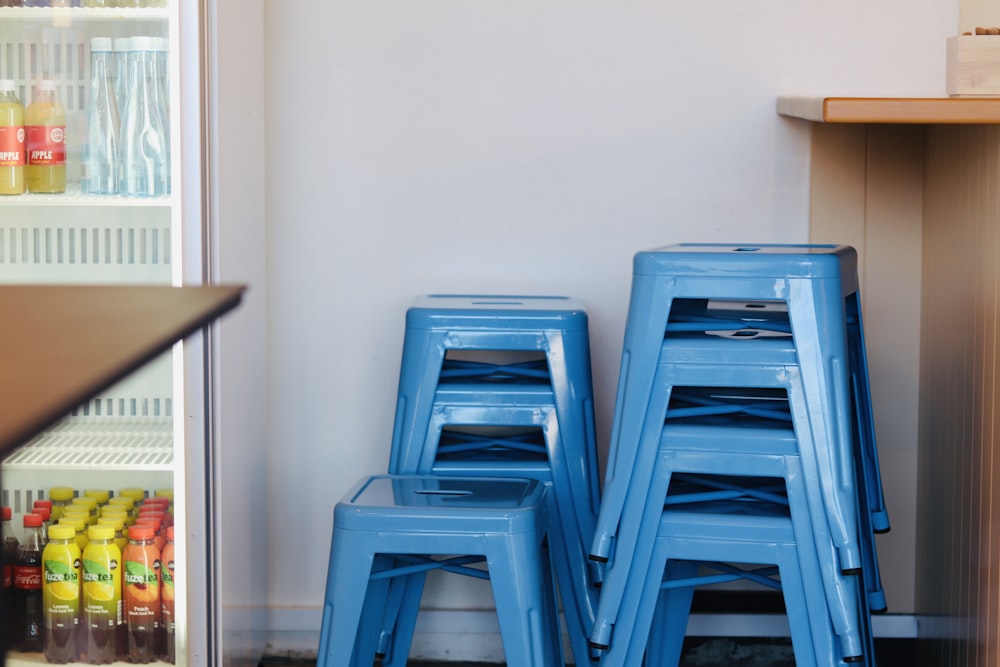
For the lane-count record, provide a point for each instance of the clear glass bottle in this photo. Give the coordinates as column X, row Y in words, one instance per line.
column 142, row 147
column 119, row 71
column 100, row 151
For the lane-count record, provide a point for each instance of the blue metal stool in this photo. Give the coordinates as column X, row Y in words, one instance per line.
column 717, row 536
column 812, row 283
column 456, row 388
column 706, row 457
column 395, row 526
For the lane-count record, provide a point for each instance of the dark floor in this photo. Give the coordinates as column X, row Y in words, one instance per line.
column 710, row 652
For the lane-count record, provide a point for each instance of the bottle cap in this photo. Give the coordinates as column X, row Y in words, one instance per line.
column 61, row 531
column 100, row 495
column 47, row 85
column 156, row 501
column 100, row 532
column 45, row 512
column 141, row 531
column 124, row 502
column 154, row 522
column 5, row 513
column 165, row 493
column 41, row 502
column 100, row 43
column 7, row 85
column 61, row 494
column 32, row 520
column 121, row 43
column 170, row 533
column 140, row 43
column 137, row 495
column 77, row 523
column 86, row 501
column 116, row 522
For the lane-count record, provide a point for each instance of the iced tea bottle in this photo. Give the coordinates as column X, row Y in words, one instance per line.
column 141, row 593
column 102, row 596
column 167, row 597
column 61, row 496
column 60, row 595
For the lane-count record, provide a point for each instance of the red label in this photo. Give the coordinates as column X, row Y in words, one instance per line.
column 27, row 577
column 46, row 145
column 12, row 146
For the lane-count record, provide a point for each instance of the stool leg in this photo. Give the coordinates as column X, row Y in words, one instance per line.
column 399, row 618
column 673, row 608
column 346, row 592
column 525, row 603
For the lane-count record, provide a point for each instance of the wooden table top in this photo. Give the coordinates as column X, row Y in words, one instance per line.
column 60, row 345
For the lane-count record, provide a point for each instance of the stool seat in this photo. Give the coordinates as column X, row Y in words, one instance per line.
column 400, row 526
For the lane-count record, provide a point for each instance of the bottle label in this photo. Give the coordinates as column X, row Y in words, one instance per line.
column 8, row 576
column 12, row 153
column 28, row 577
column 46, row 145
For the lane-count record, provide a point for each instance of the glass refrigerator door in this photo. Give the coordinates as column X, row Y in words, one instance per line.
column 128, row 437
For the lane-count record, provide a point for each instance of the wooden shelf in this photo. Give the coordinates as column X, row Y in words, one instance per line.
column 902, row 110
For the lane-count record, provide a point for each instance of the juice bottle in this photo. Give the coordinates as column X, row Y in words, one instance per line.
column 61, row 496
column 13, row 155
column 102, row 596
column 123, row 503
column 60, row 595
column 167, row 597
column 142, row 593
column 46, row 139
column 9, row 558
column 27, row 633
column 100, row 495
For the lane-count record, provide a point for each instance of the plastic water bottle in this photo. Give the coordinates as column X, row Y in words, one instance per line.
column 142, row 147
column 100, row 152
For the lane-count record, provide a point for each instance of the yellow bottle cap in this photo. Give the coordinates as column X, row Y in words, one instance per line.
column 61, row 531
column 61, row 494
column 135, row 494
column 100, row 532
column 100, row 495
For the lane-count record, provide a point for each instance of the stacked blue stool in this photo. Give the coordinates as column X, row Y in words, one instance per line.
column 501, row 386
column 723, row 342
column 391, row 526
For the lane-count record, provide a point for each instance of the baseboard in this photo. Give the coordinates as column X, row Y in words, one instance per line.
column 474, row 636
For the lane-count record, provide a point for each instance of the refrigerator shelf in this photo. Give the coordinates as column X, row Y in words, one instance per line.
column 100, row 444
column 58, row 15
column 73, row 197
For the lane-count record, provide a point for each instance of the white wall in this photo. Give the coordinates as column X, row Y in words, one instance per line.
column 418, row 146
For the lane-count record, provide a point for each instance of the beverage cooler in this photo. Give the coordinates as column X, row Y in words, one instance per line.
column 120, row 206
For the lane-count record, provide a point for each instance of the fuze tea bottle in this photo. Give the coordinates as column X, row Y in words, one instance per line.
column 61, row 496
column 46, row 139
column 142, row 593
column 12, row 141
column 167, row 597
column 102, row 598
column 60, row 595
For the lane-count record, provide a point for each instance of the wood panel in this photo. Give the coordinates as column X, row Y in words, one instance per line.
column 959, row 501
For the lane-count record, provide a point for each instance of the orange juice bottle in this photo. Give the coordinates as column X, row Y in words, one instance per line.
column 12, row 149
column 102, row 596
column 167, row 597
column 46, row 141
column 60, row 595
column 142, row 593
